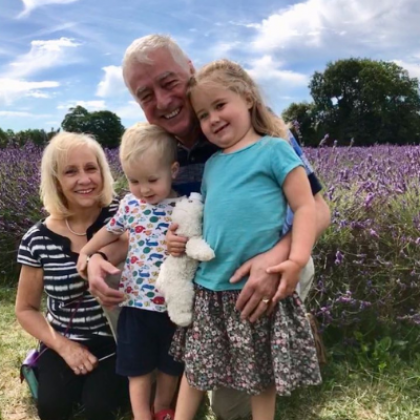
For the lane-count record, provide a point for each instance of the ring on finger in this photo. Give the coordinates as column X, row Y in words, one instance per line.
column 265, row 300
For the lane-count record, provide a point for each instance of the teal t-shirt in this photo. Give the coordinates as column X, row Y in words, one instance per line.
column 244, row 207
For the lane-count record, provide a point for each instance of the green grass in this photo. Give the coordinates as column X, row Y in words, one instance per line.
column 349, row 391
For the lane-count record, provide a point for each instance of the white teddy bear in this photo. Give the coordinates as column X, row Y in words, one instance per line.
column 175, row 280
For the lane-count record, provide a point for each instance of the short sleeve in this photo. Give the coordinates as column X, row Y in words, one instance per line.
column 118, row 222
column 283, row 160
column 27, row 252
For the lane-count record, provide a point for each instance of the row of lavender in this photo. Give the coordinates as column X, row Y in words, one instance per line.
column 367, row 263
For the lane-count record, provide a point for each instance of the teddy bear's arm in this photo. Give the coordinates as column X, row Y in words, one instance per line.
column 198, row 249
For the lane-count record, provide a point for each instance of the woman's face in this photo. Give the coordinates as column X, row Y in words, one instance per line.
column 80, row 179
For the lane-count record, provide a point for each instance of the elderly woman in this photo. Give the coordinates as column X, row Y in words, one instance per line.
column 77, row 362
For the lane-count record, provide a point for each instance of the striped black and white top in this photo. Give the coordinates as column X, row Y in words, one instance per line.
column 67, row 293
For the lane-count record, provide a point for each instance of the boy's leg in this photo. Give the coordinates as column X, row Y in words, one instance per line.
column 230, row 404
column 166, row 386
column 263, row 405
column 169, row 371
column 137, row 357
column 140, row 387
column 189, row 400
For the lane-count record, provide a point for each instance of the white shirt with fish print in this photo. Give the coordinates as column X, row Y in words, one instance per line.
column 147, row 225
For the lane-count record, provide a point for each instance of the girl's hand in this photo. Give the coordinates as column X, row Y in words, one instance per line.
column 78, row 357
column 290, row 271
column 175, row 243
column 82, row 264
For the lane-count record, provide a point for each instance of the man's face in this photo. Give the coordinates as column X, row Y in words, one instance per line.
column 161, row 90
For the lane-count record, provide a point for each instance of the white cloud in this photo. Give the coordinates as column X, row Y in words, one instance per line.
column 223, row 49
column 17, row 114
column 246, row 25
column 30, row 5
column 112, row 83
column 130, row 111
column 413, row 68
column 39, row 94
column 265, row 69
column 12, row 89
column 43, row 55
column 89, row 105
column 328, row 28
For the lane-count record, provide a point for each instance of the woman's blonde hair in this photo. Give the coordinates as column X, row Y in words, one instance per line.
column 54, row 159
column 231, row 75
column 144, row 137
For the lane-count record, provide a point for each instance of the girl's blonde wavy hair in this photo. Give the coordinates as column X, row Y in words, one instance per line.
column 53, row 161
column 232, row 76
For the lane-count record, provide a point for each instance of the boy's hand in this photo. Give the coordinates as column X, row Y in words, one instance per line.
column 290, row 271
column 82, row 264
column 176, row 244
column 98, row 269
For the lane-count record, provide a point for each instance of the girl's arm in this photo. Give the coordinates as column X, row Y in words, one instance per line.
column 299, row 196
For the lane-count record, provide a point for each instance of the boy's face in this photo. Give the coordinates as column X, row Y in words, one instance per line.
column 161, row 90
column 150, row 179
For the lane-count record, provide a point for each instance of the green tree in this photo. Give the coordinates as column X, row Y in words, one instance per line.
column 104, row 125
column 371, row 101
column 3, row 138
column 304, row 114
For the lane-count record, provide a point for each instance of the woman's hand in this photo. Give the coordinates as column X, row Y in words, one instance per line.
column 80, row 360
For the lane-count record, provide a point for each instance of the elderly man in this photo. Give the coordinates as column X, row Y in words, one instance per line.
column 156, row 72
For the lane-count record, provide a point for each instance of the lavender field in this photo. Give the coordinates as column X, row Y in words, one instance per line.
column 367, row 263
column 366, row 296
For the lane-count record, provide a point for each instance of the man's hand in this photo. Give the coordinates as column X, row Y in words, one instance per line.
column 97, row 271
column 252, row 300
column 175, row 244
column 255, row 298
column 290, row 271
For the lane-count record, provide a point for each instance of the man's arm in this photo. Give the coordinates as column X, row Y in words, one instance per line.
column 323, row 215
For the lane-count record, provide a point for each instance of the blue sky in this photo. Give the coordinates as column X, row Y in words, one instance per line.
column 55, row 54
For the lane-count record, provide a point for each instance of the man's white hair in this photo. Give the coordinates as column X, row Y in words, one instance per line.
column 139, row 49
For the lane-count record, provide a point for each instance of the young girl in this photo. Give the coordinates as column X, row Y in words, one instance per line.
column 148, row 157
column 247, row 186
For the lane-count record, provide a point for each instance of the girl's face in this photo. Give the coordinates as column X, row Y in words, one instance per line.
column 224, row 116
column 80, row 179
column 150, row 179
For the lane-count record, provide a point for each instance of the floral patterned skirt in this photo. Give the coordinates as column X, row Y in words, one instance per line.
column 221, row 350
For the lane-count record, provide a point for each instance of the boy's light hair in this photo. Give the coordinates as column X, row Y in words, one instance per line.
column 138, row 52
column 54, row 159
column 144, row 137
column 232, row 76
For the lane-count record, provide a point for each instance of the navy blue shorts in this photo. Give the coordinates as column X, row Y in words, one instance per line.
column 144, row 339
